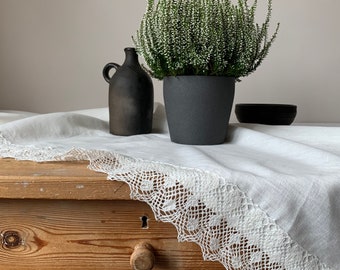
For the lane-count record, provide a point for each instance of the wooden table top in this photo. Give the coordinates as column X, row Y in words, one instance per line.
column 57, row 180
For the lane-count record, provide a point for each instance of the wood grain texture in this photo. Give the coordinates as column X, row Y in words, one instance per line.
column 57, row 180
column 66, row 234
column 61, row 215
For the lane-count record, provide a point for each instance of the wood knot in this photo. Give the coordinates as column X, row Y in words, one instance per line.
column 11, row 239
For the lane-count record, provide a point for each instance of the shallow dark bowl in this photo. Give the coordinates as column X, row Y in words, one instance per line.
column 268, row 114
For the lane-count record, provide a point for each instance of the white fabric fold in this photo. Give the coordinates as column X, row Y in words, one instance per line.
column 9, row 116
column 290, row 176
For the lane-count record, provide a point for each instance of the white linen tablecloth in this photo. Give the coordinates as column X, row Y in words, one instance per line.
column 268, row 197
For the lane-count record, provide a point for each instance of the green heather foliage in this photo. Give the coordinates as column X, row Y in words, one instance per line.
column 203, row 37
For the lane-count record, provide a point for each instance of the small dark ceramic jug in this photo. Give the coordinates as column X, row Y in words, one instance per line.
column 130, row 96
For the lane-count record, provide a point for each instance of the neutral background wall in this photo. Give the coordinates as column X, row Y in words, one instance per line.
column 52, row 53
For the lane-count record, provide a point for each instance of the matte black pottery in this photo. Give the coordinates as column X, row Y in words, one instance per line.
column 130, row 96
column 198, row 108
column 268, row 114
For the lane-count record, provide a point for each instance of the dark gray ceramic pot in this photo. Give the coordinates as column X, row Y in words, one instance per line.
column 198, row 108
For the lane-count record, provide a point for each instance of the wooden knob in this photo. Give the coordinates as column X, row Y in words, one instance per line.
column 142, row 258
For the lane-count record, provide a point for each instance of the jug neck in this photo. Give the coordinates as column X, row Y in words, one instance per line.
column 131, row 57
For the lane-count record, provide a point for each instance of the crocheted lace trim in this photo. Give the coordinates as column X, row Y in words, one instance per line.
column 204, row 207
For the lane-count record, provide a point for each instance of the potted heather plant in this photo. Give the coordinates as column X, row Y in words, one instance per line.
column 199, row 48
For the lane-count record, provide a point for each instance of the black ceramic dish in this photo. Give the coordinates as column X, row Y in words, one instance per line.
column 268, row 114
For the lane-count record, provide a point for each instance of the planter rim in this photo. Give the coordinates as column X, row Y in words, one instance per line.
column 212, row 76
column 266, row 105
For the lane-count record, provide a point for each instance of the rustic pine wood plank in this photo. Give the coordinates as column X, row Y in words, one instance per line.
column 61, row 215
column 71, row 234
column 57, row 180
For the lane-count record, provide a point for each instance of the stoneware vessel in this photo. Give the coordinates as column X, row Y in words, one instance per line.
column 198, row 108
column 131, row 96
column 266, row 113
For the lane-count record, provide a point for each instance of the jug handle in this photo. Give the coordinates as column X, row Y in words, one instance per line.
column 107, row 69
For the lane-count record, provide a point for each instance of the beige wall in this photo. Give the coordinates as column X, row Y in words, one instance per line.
column 52, row 53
